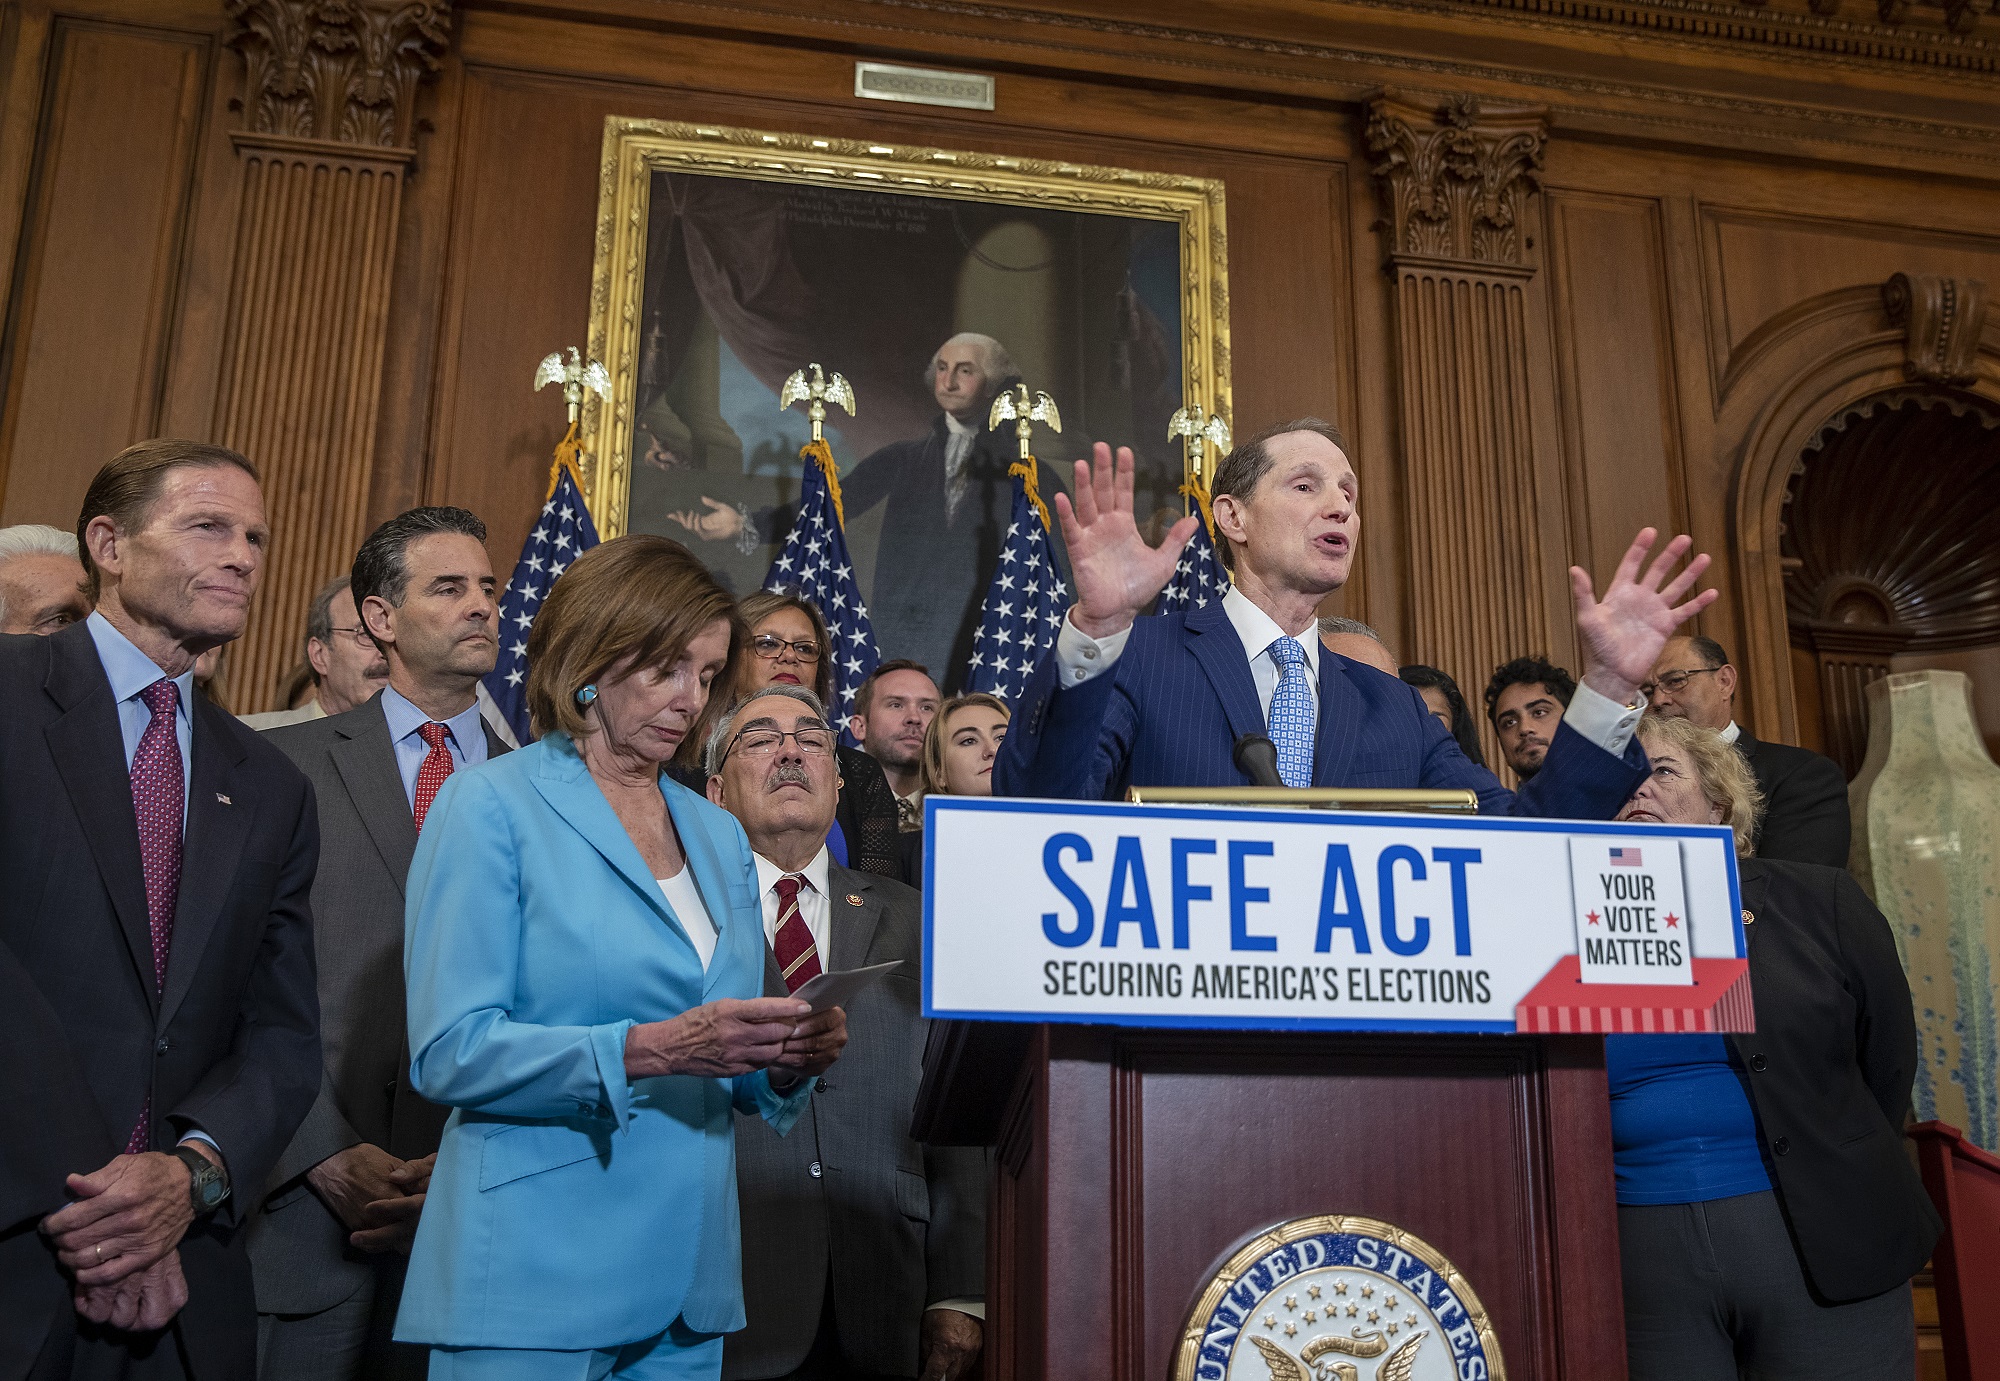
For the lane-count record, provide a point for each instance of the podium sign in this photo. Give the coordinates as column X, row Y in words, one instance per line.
column 1219, row 916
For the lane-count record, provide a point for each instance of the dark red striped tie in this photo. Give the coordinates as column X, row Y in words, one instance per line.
column 159, row 799
column 798, row 956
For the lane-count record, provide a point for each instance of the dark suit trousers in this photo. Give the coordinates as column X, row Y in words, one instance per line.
column 80, row 1351
column 824, row 1362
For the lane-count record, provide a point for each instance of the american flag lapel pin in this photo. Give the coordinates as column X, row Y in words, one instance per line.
column 224, row 799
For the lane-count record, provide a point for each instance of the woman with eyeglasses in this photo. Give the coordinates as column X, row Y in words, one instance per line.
column 789, row 647
column 585, row 961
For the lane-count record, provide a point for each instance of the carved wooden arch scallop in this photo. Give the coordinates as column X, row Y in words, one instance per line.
column 1787, row 380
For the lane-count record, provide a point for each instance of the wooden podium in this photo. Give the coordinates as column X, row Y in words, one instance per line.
column 1132, row 1161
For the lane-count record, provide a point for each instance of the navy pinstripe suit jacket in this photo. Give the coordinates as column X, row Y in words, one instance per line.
column 1170, row 712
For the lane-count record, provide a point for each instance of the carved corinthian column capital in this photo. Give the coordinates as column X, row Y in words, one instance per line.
column 1455, row 177
column 345, row 71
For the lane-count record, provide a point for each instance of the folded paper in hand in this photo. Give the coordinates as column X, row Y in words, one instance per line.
column 836, row 989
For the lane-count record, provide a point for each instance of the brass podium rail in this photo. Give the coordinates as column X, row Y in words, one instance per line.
column 1453, row 802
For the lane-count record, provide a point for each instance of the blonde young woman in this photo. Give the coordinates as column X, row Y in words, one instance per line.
column 963, row 741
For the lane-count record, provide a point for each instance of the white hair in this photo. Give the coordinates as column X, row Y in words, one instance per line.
column 1333, row 624
column 34, row 539
column 718, row 737
column 995, row 363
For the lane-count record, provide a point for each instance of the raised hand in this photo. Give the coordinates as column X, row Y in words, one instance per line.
column 1117, row 575
column 1624, row 632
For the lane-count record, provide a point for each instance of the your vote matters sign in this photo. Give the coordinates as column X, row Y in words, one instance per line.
column 1216, row 916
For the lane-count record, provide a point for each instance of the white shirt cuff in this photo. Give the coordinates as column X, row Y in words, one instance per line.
column 974, row 1307
column 1080, row 656
column 1603, row 720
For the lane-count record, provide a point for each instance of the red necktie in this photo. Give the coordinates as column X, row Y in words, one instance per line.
column 435, row 767
column 159, row 799
column 798, row 956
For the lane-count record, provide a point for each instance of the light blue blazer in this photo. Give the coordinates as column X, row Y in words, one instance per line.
column 571, row 1208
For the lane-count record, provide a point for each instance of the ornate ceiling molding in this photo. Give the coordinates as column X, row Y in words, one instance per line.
column 344, row 71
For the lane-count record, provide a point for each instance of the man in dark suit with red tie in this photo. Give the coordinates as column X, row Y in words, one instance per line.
column 156, row 970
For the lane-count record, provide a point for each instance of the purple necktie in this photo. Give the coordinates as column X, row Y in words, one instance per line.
column 159, row 798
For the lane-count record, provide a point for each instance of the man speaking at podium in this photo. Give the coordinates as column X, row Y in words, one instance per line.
column 1123, row 700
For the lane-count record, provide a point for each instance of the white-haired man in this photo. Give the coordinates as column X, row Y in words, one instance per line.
column 41, row 580
column 945, row 499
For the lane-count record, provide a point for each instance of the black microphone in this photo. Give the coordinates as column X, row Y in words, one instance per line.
column 1257, row 758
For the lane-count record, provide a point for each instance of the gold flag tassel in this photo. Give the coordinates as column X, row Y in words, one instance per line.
column 1026, row 470
column 817, row 452
column 1196, row 490
column 569, row 453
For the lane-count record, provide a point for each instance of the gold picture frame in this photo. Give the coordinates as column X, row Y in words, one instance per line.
column 634, row 150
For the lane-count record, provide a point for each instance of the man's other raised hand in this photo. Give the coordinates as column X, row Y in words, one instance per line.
column 1624, row 633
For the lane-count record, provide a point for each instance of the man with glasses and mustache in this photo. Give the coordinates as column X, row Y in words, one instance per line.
column 1805, row 795
column 347, row 667
column 842, row 1275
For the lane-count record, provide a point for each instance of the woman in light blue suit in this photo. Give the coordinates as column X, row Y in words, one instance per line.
column 584, row 952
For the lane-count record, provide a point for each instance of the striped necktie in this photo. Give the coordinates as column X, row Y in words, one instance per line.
column 798, row 956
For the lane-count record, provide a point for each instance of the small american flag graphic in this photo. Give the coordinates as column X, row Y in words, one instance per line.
column 1626, row 858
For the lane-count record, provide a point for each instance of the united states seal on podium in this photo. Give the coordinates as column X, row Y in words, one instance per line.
column 1333, row 1298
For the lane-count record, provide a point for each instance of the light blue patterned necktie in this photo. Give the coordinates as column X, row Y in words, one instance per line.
column 1292, row 713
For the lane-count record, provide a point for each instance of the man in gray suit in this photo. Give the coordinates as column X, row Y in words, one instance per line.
column 328, row 1243
column 863, row 1252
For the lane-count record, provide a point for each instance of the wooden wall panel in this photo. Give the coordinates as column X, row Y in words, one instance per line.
column 1760, row 263
column 1614, row 358
column 91, row 311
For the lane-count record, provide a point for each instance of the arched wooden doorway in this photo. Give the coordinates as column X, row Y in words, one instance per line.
column 1891, row 549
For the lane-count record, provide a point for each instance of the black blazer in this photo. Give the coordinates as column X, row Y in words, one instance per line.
column 231, row 1047
column 1805, row 802
column 1829, row 1073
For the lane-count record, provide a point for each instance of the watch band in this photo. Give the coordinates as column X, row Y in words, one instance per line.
column 208, row 1186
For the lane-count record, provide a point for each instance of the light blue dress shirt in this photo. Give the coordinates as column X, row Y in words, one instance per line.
column 467, row 740
column 130, row 671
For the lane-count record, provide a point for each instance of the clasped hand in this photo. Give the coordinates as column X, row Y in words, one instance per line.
column 117, row 1240
column 376, row 1196
column 738, row 1036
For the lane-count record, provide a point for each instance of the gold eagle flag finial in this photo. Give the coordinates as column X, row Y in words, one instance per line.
column 816, row 393
column 1012, row 405
column 1205, row 435
column 577, row 376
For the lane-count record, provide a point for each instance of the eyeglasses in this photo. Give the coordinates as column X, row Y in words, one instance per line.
column 363, row 639
column 1674, row 681
column 815, row 742
column 766, row 645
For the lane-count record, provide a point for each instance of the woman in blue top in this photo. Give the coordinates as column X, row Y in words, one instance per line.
column 1768, row 1219
column 585, row 953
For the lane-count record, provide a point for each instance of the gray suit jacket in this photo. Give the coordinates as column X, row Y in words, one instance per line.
column 298, row 1248
column 900, row 1226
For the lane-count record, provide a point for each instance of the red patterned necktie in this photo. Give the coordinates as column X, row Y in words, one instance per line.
column 435, row 767
column 798, row 956
column 159, row 799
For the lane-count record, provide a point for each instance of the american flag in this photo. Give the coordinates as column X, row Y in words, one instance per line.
column 562, row 533
column 814, row 565
column 1025, row 604
column 1199, row 576
column 1625, row 858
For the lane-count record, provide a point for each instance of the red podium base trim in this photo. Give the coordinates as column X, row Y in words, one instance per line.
column 1562, row 1004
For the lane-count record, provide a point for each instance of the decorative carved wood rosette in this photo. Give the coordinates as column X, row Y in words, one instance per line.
column 329, row 118
column 1455, row 180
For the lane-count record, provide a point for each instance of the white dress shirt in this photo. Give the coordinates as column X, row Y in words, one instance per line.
column 1733, row 732
column 1600, row 719
column 684, row 900
column 813, row 908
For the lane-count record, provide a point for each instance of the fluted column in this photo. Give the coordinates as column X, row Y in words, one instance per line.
column 1455, row 180
column 328, row 104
